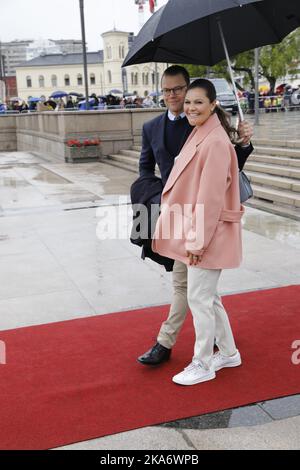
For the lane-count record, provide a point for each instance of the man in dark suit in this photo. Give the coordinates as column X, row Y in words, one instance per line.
column 163, row 138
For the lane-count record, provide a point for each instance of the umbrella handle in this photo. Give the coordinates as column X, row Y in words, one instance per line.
column 241, row 115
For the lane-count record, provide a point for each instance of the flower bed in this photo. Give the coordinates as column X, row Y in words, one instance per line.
column 83, row 150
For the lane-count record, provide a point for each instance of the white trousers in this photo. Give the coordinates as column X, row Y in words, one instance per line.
column 210, row 318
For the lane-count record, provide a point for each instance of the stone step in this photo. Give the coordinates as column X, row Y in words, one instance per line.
column 122, row 166
column 276, row 170
column 124, row 159
column 286, row 161
column 263, row 151
column 276, row 143
column 289, row 198
column 274, row 208
column 261, row 143
column 274, row 181
column 278, row 151
column 126, row 163
column 130, row 153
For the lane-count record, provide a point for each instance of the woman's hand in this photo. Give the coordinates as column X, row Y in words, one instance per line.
column 245, row 131
column 193, row 259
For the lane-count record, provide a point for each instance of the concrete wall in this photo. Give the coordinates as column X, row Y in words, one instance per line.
column 8, row 136
column 47, row 132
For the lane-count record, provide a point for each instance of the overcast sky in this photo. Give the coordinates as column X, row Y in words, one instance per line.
column 59, row 19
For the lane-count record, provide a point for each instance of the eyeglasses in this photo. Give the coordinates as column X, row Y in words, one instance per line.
column 177, row 90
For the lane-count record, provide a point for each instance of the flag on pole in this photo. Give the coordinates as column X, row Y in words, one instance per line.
column 152, row 5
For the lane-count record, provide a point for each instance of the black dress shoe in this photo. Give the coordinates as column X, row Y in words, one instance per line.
column 155, row 355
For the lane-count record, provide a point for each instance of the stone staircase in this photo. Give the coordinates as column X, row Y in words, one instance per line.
column 126, row 159
column 273, row 169
column 274, row 172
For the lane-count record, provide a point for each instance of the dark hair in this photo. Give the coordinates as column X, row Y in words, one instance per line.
column 177, row 70
column 211, row 94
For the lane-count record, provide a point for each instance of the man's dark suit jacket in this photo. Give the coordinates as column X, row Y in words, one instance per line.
column 154, row 148
column 146, row 190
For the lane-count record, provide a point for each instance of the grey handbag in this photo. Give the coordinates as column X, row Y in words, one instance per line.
column 245, row 187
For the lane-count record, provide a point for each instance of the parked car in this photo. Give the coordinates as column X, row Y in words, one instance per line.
column 225, row 95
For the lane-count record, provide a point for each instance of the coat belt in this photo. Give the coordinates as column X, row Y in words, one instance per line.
column 232, row 216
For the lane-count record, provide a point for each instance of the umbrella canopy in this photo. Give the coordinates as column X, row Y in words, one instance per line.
column 74, row 93
column 59, row 94
column 155, row 93
column 116, row 91
column 188, row 33
column 91, row 100
column 33, row 99
column 15, row 98
column 280, row 88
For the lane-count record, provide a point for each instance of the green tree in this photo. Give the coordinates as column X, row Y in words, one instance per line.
column 281, row 59
column 276, row 61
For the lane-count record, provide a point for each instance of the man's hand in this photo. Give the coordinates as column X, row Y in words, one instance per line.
column 193, row 259
column 245, row 131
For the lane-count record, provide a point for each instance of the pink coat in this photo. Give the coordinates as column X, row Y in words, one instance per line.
column 205, row 181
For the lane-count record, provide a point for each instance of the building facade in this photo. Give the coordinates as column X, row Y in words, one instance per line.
column 14, row 53
column 50, row 72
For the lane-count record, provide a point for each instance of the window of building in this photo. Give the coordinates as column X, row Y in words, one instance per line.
column 121, row 51
column 109, row 76
column 41, row 81
column 134, row 78
column 108, row 52
column 92, row 79
column 79, row 79
column 67, row 80
column 54, row 81
column 28, row 82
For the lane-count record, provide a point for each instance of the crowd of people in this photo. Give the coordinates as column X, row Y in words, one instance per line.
column 70, row 102
column 284, row 98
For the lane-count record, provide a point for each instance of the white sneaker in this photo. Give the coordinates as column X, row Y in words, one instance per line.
column 194, row 374
column 219, row 361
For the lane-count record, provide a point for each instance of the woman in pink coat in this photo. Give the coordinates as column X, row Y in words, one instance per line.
column 200, row 226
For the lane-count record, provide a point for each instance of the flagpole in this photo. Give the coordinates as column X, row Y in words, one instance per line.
column 257, row 50
column 81, row 6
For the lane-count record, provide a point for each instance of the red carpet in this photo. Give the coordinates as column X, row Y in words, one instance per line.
column 77, row 380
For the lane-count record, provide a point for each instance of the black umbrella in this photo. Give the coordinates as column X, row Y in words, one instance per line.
column 195, row 31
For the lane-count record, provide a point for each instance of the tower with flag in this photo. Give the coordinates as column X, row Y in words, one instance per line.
column 141, row 3
column 152, row 5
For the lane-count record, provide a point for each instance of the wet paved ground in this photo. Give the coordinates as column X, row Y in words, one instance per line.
column 278, row 126
column 54, row 268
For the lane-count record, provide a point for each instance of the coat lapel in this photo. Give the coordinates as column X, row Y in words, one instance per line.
column 190, row 148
